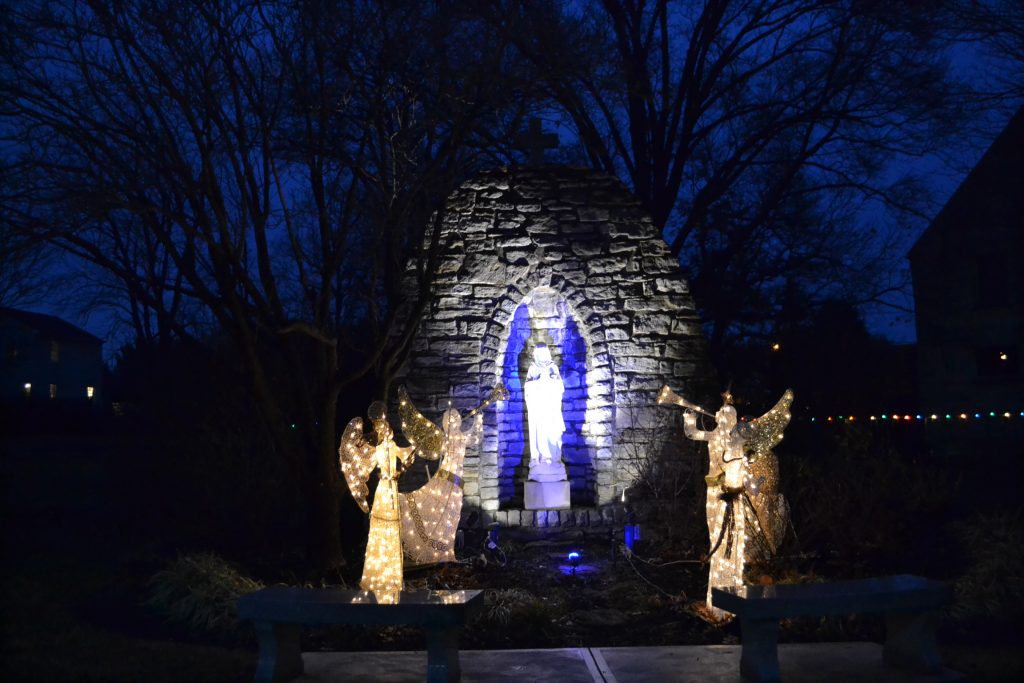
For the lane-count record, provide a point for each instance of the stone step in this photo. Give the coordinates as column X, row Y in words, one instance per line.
column 603, row 516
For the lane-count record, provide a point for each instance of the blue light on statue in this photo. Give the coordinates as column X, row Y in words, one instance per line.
column 569, row 348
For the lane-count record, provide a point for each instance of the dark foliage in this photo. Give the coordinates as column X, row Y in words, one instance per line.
column 200, row 592
column 861, row 506
column 202, row 474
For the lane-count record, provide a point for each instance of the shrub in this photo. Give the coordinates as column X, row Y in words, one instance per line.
column 200, row 592
column 859, row 501
column 992, row 587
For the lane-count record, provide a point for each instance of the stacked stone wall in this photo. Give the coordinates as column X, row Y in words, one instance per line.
column 569, row 258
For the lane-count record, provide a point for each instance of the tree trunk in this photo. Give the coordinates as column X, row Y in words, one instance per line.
column 323, row 544
column 323, row 533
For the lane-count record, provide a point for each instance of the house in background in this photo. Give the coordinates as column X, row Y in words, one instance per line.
column 46, row 359
column 968, row 274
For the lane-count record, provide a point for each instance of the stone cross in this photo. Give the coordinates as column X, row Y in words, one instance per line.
column 535, row 141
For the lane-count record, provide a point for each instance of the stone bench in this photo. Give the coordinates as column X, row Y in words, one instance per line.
column 909, row 604
column 278, row 614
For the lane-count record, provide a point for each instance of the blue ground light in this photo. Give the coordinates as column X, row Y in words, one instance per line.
column 575, row 565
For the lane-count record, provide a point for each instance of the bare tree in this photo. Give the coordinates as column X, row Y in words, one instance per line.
column 753, row 131
column 27, row 275
column 26, row 272
column 996, row 27
column 272, row 163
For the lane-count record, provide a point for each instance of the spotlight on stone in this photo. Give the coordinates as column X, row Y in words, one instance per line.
column 492, row 534
column 631, row 534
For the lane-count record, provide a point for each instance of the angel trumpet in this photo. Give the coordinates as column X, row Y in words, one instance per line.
column 499, row 393
column 666, row 395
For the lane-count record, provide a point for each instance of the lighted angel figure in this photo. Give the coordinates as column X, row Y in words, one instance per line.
column 382, row 564
column 379, row 597
column 744, row 509
column 430, row 514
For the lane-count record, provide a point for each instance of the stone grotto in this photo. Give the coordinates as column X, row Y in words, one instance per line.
column 567, row 258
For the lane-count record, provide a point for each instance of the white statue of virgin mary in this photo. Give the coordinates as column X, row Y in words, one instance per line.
column 543, row 391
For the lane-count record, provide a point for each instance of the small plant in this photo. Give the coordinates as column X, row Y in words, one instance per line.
column 200, row 592
column 511, row 549
column 518, row 606
column 500, row 603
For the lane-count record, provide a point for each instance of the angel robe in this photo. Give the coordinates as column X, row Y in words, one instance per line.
column 430, row 514
column 726, row 528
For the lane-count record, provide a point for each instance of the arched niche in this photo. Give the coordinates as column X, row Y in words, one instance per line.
column 544, row 316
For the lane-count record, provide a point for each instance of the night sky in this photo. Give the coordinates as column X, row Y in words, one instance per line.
column 941, row 177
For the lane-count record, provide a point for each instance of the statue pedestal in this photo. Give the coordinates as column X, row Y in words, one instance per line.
column 546, row 495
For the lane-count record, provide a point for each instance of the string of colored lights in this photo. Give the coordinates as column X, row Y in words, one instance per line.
column 918, row 417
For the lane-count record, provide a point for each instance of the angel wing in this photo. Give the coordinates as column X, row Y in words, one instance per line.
column 426, row 437
column 770, row 509
column 475, row 433
column 356, row 456
column 761, row 434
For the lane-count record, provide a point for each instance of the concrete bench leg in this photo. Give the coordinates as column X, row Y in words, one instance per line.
column 759, row 657
column 910, row 642
column 443, row 654
column 280, row 657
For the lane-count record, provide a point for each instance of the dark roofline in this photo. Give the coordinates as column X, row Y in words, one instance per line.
column 50, row 325
column 1014, row 129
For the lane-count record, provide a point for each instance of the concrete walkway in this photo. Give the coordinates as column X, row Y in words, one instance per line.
column 799, row 663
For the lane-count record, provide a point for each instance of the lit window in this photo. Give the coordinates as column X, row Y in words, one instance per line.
column 27, row 389
column 89, row 392
column 53, row 391
column 994, row 361
column 54, row 352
